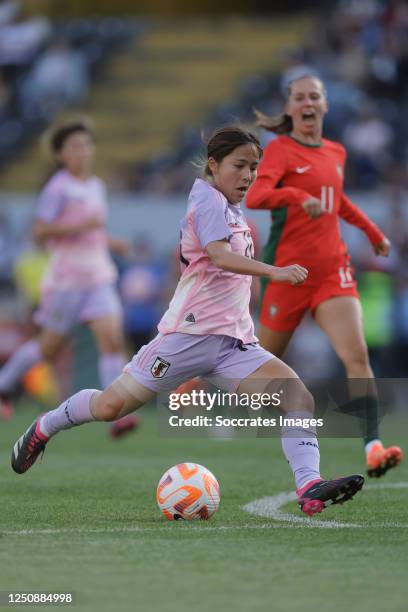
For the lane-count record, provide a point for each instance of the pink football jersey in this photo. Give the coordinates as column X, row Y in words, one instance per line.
column 82, row 260
column 209, row 300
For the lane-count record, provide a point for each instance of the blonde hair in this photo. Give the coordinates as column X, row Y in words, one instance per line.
column 282, row 123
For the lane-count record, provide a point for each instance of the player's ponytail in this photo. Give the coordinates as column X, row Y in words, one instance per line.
column 279, row 124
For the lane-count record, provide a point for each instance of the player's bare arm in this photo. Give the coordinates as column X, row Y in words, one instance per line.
column 222, row 256
column 43, row 230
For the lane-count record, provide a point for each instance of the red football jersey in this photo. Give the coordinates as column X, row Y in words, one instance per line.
column 290, row 173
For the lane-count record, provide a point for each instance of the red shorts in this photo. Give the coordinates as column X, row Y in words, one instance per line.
column 283, row 306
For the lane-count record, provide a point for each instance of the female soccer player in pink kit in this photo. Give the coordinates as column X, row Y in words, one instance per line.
column 79, row 284
column 207, row 330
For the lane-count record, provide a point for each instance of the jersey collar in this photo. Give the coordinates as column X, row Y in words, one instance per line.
column 304, row 144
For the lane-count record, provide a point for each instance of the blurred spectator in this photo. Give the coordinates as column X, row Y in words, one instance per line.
column 352, row 64
column 294, row 67
column 9, row 9
column 5, row 95
column 28, row 271
column 46, row 66
column 376, row 299
column 58, row 78
column 143, row 290
column 21, row 39
column 368, row 139
column 8, row 249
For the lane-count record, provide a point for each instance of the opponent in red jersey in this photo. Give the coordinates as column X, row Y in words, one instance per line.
column 300, row 179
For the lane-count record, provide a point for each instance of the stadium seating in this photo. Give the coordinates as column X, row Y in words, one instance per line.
column 166, row 79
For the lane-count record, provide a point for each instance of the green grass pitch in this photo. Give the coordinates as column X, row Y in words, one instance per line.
column 85, row 520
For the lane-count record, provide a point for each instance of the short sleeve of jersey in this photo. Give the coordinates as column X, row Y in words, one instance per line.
column 50, row 202
column 209, row 219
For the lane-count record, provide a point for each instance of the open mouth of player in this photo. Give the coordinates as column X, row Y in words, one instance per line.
column 308, row 116
column 242, row 190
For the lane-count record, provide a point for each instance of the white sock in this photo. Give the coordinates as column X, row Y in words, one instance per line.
column 370, row 444
column 110, row 366
column 301, row 449
column 76, row 410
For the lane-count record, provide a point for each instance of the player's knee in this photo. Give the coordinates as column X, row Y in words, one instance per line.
column 295, row 396
column 357, row 357
column 300, row 398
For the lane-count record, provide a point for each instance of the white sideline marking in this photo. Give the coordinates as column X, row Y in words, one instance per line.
column 192, row 527
column 270, row 507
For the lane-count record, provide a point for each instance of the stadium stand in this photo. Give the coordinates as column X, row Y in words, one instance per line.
column 169, row 77
column 360, row 49
column 45, row 67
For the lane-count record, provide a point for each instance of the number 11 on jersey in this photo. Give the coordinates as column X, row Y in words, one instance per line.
column 327, row 198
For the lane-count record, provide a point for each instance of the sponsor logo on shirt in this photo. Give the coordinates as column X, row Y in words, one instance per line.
column 302, row 169
column 190, row 318
column 159, row 367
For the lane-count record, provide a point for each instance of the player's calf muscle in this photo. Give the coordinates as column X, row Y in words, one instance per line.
column 106, row 405
column 122, row 397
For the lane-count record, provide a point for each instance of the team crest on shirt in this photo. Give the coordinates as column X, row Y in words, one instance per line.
column 160, row 367
column 339, row 169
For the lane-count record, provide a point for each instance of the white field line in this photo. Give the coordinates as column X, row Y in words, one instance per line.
column 190, row 527
column 270, row 507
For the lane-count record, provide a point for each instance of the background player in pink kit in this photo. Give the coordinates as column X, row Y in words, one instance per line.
column 70, row 219
column 207, row 330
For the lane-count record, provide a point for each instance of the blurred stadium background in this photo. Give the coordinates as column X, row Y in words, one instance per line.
column 154, row 77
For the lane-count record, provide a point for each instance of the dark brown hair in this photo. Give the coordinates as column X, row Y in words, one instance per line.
column 53, row 140
column 282, row 124
column 62, row 132
column 224, row 140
